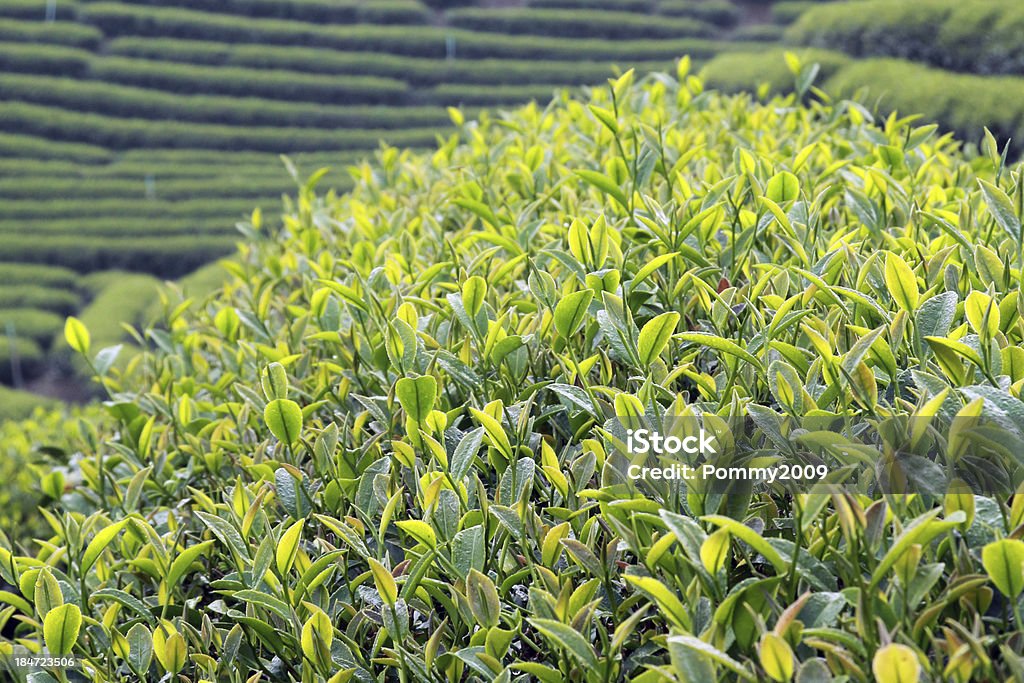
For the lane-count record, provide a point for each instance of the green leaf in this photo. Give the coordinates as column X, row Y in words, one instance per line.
column 284, row 420
column 140, row 648
column 751, row 538
column 474, row 291
column 184, row 561
column 896, row 663
column 921, row 531
column 47, row 595
column 1001, row 208
column 417, row 396
column 776, row 657
column 569, row 639
column 60, row 629
column 288, row 547
column 655, row 336
column 783, row 187
column 710, row 652
column 385, row 582
column 666, row 600
column 99, row 542
column 462, row 459
column 275, row 382
column 483, row 599
column 720, row 344
column 77, row 335
column 571, row 311
column 605, row 185
column 982, row 313
column 1004, row 562
column 419, row 530
column 901, row 282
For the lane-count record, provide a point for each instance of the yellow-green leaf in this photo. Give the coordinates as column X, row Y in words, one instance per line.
column 655, row 335
column 77, row 335
column 284, row 420
column 417, row 396
column 783, row 187
column 60, row 628
column 776, row 657
column 385, row 583
column 896, row 663
column 901, row 282
column 288, row 547
column 1004, row 562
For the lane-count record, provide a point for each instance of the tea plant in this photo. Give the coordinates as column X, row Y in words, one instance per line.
column 386, row 449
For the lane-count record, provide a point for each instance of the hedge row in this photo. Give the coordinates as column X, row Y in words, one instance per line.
column 644, row 6
column 37, row 9
column 979, row 37
column 30, row 273
column 29, row 147
column 30, row 323
column 167, row 257
column 241, row 82
column 127, row 228
column 57, row 32
column 121, row 133
column 63, row 301
column 427, row 41
column 43, row 59
column 788, row 11
column 575, row 23
column 717, row 12
column 32, row 360
column 736, row 71
column 228, row 160
column 15, row 404
column 116, row 100
column 139, row 187
column 963, row 103
column 471, row 96
column 417, row 71
column 319, row 11
column 138, row 171
column 19, row 211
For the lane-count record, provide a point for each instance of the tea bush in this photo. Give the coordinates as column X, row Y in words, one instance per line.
column 56, row 32
column 575, row 23
column 316, row 11
column 27, row 146
column 45, row 59
column 979, row 37
column 387, row 448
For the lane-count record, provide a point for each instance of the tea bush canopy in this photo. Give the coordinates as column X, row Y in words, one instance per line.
column 385, row 449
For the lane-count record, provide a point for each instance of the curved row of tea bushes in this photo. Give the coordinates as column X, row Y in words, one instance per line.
column 63, row 301
column 165, row 256
column 977, row 37
column 58, row 32
column 575, row 23
column 960, row 102
column 277, row 84
column 29, row 10
column 26, row 186
column 414, row 70
column 144, row 210
column 119, row 100
column 32, row 147
column 313, row 11
column 30, row 323
column 123, row 133
column 35, row 58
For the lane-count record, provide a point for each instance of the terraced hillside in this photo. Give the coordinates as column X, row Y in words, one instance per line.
column 134, row 135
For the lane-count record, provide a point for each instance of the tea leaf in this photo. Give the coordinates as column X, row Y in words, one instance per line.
column 1004, row 562
column 60, row 629
column 571, row 312
column 655, row 336
column 901, row 282
column 417, row 396
column 76, row 335
column 896, row 663
column 284, row 420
